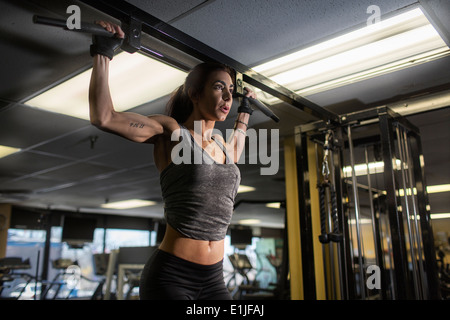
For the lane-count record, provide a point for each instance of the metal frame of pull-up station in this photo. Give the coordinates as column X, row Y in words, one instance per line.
column 158, row 29
column 388, row 192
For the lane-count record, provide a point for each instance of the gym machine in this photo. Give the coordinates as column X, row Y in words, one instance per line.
column 375, row 229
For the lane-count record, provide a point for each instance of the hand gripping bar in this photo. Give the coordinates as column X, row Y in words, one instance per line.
column 86, row 27
column 261, row 106
column 132, row 30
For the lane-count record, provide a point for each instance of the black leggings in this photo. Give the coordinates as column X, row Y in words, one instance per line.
column 167, row 277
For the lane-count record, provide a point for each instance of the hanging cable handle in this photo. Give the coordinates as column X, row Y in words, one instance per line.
column 336, row 235
column 323, row 237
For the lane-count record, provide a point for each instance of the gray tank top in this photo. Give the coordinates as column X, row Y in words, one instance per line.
column 199, row 198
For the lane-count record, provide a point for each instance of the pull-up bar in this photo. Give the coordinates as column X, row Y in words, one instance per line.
column 164, row 32
column 131, row 44
column 137, row 20
column 92, row 28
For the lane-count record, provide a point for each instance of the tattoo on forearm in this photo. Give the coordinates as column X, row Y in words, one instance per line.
column 136, row 125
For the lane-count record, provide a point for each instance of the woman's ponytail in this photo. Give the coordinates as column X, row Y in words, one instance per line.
column 180, row 105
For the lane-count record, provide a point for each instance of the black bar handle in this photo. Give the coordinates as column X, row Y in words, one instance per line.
column 261, row 106
column 323, row 237
column 85, row 27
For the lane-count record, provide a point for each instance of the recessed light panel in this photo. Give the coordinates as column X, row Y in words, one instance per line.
column 134, row 79
column 392, row 44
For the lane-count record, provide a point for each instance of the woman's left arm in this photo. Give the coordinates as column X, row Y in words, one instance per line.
column 236, row 143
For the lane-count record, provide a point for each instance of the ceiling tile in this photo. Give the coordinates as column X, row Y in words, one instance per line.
column 24, row 163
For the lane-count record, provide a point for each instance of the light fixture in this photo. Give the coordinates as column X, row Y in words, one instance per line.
column 435, row 216
column 274, row 205
column 243, row 189
column 249, row 221
column 6, row 151
column 361, row 221
column 424, row 103
column 134, row 79
column 392, row 44
column 438, row 188
column 378, row 167
column 361, row 169
column 430, row 189
column 128, row 204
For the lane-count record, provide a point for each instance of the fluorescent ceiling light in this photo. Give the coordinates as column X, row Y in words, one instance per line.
column 435, row 216
column 389, row 45
column 249, row 221
column 374, row 167
column 274, row 205
column 6, row 151
column 378, row 167
column 438, row 188
column 128, row 204
column 243, row 189
column 430, row 189
column 426, row 103
column 134, row 79
column 361, row 221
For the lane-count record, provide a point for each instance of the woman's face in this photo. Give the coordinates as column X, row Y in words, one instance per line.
column 214, row 103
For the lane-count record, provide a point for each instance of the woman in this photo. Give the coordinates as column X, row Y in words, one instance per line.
column 198, row 197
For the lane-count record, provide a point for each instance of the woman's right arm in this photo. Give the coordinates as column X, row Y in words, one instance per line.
column 129, row 125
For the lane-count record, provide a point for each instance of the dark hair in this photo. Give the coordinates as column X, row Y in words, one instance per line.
column 180, row 105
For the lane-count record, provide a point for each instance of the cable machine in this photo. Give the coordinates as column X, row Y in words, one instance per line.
column 375, row 229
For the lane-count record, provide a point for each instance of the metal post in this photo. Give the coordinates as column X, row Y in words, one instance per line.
column 372, row 211
column 331, row 223
column 293, row 221
column 385, row 221
column 415, row 209
column 375, row 229
column 351, row 244
column 425, row 220
column 357, row 212
column 379, row 254
column 401, row 281
column 338, row 223
column 324, row 251
column 347, row 279
column 408, row 222
column 306, row 226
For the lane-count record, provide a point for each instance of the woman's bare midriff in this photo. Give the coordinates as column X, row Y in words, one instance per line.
column 197, row 251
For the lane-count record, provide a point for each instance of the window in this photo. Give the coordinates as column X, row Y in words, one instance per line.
column 30, row 244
